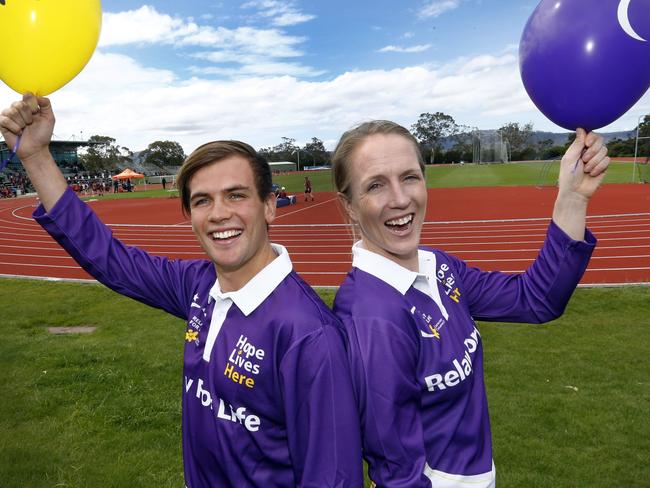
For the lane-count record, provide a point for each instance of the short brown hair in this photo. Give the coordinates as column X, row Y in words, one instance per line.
column 215, row 151
column 351, row 139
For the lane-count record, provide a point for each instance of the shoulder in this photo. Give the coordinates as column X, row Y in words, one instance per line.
column 443, row 262
column 294, row 304
column 363, row 297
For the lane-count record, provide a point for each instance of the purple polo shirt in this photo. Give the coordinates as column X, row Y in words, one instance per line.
column 417, row 357
column 267, row 396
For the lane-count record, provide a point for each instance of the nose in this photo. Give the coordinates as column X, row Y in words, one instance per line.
column 220, row 211
column 399, row 198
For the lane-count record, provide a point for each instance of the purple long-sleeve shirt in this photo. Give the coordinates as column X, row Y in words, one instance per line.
column 267, row 396
column 417, row 356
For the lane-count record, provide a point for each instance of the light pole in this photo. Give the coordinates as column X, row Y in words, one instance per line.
column 297, row 150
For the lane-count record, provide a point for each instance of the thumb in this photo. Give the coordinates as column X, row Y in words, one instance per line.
column 574, row 151
column 45, row 107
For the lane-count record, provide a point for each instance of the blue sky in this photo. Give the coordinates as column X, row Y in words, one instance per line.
column 260, row 70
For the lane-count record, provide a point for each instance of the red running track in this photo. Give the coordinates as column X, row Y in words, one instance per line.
column 491, row 228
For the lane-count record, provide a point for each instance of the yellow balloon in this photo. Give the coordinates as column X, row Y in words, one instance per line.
column 46, row 43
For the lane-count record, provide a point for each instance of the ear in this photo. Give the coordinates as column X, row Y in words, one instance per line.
column 269, row 208
column 347, row 206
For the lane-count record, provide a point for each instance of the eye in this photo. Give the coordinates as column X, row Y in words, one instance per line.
column 413, row 177
column 236, row 196
column 199, row 202
column 375, row 186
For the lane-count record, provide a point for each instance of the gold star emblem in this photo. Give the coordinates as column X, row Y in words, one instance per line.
column 435, row 332
column 191, row 335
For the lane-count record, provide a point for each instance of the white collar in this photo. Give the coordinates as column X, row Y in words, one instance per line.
column 253, row 293
column 398, row 276
column 383, row 268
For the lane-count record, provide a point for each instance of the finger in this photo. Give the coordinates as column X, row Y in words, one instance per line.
column 574, row 151
column 601, row 167
column 593, row 160
column 594, row 143
column 23, row 111
column 13, row 115
column 591, row 138
column 8, row 124
column 45, row 107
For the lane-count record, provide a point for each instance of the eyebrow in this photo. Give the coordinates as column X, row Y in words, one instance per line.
column 373, row 176
column 230, row 189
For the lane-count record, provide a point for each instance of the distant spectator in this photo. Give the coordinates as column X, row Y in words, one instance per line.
column 308, row 194
column 164, row 183
column 116, row 186
column 283, row 193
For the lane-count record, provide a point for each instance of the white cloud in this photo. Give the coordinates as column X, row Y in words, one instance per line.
column 144, row 25
column 254, row 51
column 400, row 49
column 118, row 97
column 281, row 13
column 436, row 8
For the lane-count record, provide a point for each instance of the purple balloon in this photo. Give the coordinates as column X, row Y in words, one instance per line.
column 584, row 63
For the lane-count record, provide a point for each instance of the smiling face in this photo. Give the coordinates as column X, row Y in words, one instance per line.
column 387, row 197
column 230, row 220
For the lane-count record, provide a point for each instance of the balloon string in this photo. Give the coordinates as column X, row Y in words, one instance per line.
column 4, row 164
column 575, row 166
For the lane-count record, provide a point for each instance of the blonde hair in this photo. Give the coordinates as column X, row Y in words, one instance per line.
column 352, row 138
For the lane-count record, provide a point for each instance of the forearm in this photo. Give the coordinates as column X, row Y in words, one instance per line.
column 46, row 177
column 570, row 214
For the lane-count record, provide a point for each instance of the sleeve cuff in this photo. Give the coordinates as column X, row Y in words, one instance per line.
column 40, row 214
column 558, row 235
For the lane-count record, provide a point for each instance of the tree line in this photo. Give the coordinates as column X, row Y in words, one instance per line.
column 441, row 140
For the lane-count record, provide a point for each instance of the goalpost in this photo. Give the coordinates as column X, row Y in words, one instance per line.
column 641, row 163
column 489, row 147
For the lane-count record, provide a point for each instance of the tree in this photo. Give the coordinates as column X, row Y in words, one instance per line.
column 463, row 145
column 285, row 151
column 317, row 150
column 430, row 129
column 519, row 138
column 621, row 147
column 164, row 154
column 104, row 154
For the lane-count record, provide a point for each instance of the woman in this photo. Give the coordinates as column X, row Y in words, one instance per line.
column 416, row 353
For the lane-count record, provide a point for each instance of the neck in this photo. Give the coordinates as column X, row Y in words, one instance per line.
column 236, row 279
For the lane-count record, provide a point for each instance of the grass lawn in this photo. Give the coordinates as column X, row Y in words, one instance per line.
column 466, row 175
column 440, row 176
column 569, row 400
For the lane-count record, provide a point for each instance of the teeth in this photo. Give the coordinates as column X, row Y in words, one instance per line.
column 226, row 234
column 402, row 221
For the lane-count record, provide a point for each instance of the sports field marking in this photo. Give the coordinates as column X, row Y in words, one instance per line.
column 304, row 209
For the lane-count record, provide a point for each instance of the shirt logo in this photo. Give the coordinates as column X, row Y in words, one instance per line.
column 245, row 356
column 195, row 323
column 430, row 330
column 446, row 277
column 192, row 335
column 195, row 304
column 462, row 367
column 225, row 411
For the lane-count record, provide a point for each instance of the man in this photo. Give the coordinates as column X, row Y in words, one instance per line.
column 267, row 399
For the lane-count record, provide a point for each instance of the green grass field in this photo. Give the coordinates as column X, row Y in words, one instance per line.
column 441, row 176
column 454, row 176
column 569, row 400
